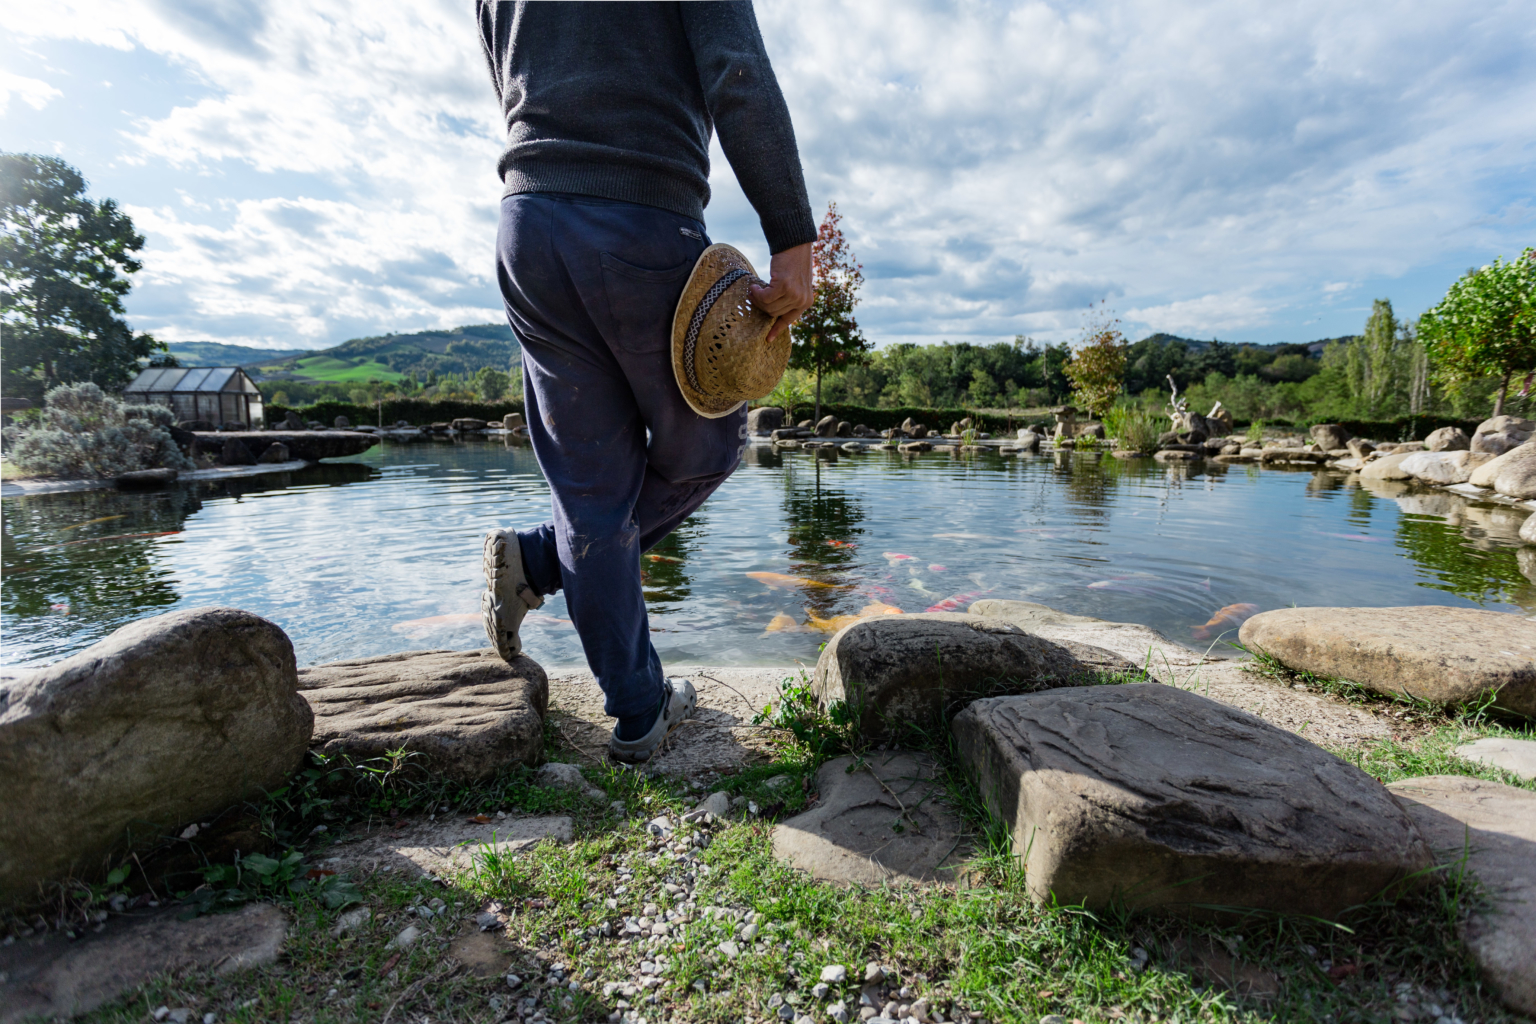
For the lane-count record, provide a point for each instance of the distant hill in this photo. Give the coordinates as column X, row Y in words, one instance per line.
column 215, row 353
column 388, row 357
column 1314, row 348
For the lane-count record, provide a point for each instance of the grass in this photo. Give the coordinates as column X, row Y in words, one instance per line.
column 984, row 952
column 343, row 371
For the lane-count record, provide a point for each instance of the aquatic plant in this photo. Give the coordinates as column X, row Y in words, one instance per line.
column 1255, row 434
column 84, row 432
column 1133, row 427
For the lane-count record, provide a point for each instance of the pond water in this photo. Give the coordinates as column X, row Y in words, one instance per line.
column 382, row 553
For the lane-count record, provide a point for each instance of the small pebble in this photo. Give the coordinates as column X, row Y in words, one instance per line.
column 873, row 975
column 1053, row 1018
column 820, row 990
column 835, row 974
column 406, row 939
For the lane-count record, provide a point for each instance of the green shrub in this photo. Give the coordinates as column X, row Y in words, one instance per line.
column 1133, row 427
column 84, row 432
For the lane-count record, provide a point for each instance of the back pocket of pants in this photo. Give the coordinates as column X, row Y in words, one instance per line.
column 641, row 303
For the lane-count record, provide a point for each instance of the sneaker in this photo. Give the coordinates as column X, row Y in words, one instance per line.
column 507, row 597
column 676, row 709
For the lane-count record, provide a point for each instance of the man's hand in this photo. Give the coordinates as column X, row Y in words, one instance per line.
column 789, row 292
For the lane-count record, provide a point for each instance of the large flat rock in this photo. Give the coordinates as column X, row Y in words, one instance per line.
column 309, row 445
column 884, row 822
column 169, row 720
column 1494, row 825
column 1431, row 652
column 50, row 976
column 443, row 848
column 466, row 713
column 1147, row 795
column 901, row 672
column 1512, row 755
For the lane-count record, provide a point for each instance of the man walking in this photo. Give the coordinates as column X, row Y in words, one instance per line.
column 609, row 109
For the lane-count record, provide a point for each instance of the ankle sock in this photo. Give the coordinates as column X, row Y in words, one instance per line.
column 634, row 727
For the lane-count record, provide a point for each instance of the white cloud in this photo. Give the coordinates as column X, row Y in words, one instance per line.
column 1207, row 168
column 30, row 91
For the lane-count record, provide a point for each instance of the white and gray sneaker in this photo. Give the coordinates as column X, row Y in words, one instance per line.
column 676, row 709
column 507, row 597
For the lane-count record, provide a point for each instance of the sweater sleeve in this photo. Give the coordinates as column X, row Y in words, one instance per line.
column 751, row 117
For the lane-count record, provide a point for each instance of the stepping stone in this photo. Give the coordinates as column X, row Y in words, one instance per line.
column 885, row 822
column 49, row 975
column 1431, row 652
column 444, row 848
column 1518, row 756
column 172, row 719
column 466, row 713
column 1145, row 795
column 1494, row 825
column 901, row 672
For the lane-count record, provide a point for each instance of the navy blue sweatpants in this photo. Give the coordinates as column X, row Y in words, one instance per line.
column 590, row 287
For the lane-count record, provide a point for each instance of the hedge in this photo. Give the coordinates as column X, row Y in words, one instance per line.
column 416, row 411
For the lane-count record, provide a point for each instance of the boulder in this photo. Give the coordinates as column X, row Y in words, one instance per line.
column 1515, row 756
column 915, row 446
column 292, row 421
column 764, row 420
column 1517, row 479
column 1487, row 473
column 1151, row 796
column 52, row 976
column 467, row 423
column 1175, row 455
column 1360, row 448
column 1029, row 441
column 1388, row 467
column 1430, row 652
column 514, row 420
column 1528, row 530
column 276, row 452
column 1329, row 436
column 1442, row 467
column 884, row 820
column 1309, row 455
column 903, row 671
column 342, row 423
column 826, row 426
column 1501, row 433
column 1220, row 419
column 233, row 452
column 309, row 445
column 1494, row 827
column 1448, row 439
column 844, row 428
column 466, row 713
column 918, row 431
column 807, row 425
column 170, row 719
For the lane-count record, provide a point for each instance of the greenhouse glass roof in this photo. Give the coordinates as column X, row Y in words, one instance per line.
column 198, row 379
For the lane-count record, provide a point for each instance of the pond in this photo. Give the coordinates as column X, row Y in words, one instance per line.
column 382, row 553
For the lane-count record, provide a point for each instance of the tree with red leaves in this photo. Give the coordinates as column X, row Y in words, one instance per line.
column 827, row 337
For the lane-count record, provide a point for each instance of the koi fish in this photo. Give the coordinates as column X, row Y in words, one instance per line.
column 103, row 519
column 893, row 557
column 663, row 558
column 782, row 623
column 837, row 622
column 850, row 545
column 879, row 608
column 917, row 585
column 780, row 581
column 956, row 603
column 1230, row 617
column 938, row 568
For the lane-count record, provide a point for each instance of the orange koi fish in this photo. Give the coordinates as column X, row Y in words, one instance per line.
column 956, row 603
column 782, row 623
column 837, row 622
column 841, row 544
column 663, row 558
column 1230, row 617
column 780, row 581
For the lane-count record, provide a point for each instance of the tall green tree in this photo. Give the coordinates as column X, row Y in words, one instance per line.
column 827, row 337
column 1097, row 368
column 1485, row 326
column 65, row 261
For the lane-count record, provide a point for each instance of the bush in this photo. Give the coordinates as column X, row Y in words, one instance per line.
column 1133, row 427
column 84, row 432
column 417, row 411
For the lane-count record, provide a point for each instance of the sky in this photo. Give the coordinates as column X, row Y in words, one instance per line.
column 308, row 172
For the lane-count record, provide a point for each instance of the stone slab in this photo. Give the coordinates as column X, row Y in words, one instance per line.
column 884, row 822
column 1431, row 652
column 466, row 713
column 1495, row 826
column 1517, row 756
column 49, row 975
column 1149, row 796
column 444, row 848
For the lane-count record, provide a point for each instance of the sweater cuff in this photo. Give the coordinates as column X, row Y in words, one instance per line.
column 789, row 229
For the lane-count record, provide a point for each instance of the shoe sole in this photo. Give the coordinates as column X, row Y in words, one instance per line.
column 494, row 610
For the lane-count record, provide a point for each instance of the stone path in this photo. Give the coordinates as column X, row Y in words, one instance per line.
column 443, row 847
column 51, row 975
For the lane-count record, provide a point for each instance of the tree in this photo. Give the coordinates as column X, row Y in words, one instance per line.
column 827, row 337
column 491, row 383
column 1097, row 368
column 1485, row 326
column 64, row 267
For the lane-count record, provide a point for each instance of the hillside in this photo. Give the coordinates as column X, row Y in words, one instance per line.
column 388, row 357
column 215, row 353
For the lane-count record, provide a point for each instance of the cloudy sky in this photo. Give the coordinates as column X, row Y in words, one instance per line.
column 307, row 171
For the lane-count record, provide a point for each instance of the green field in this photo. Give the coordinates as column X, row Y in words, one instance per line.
column 341, row 371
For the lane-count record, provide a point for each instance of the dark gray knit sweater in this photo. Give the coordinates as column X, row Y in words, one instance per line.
column 618, row 100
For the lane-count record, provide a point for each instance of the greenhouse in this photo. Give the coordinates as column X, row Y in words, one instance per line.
column 213, row 394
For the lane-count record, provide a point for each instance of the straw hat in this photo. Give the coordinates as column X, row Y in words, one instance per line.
column 720, row 354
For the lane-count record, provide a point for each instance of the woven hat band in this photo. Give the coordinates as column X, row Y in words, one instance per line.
column 691, row 340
